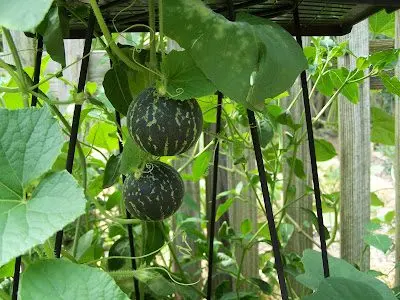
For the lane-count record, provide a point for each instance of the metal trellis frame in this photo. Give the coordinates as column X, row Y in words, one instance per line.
column 77, row 115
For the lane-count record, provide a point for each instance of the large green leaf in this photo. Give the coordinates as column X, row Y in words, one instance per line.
column 334, row 288
column 61, row 279
column 23, row 15
column 382, row 130
column 57, row 201
column 236, row 56
column 30, row 141
column 382, row 23
column 52, row 33
column 184, row 79
column 313, row 275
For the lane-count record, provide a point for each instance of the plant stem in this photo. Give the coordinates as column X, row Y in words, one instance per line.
column 18, row 64
column 116, row 50
column 240, row 270
column 175, row 257
column 75, row 243
column 152, row 24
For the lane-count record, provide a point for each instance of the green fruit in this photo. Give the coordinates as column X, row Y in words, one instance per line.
column 162, row 126
column 119, row 248
column 156, row 194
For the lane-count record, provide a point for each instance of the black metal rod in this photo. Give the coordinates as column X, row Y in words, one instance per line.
column 36, row 77
column 128, row 215
column 17, row 268
column 311, row 145
column 211, row 228
column 76, row 118
column 36, row 71
column 267, row 203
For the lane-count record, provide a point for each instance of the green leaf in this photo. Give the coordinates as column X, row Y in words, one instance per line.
column 389, row 216
column 325, row 84
column 350, row 90
column 264, row 286
column 384, row 59
column 23, row 15
column 61, row 279
column 154, row 239
column 208, row 105
column 313, row 275
column 382, row 130
column 382, row 23
column 57, row 201
column 375, row 201
column 88, row 248
column 184, row 79
column 116, row 88
column 160, row 286
column 200, row 165
column 30, row 141
column 286, row 230
column 266, row 131
column 111, row 172
column 247, row 52
column 114, row 199
column 334, row 288
column 314, row 220
column 298, row 167
column 7, row 270
column 50, row 29
column 324, row 150
column 392, row 84
column 223, row 208
column 103, row 135
column 91, row 87
column 245, row 226
column 132, row 156
column 119, row 248
column 379, row 241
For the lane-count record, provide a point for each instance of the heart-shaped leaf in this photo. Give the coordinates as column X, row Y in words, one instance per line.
column 61, row 279
column 56, row 202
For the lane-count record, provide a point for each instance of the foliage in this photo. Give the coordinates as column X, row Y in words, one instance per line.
column 38, row 197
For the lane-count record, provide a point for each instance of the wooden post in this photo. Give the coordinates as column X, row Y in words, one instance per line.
column 397, row 155
column 25, row 46
column 355, row 157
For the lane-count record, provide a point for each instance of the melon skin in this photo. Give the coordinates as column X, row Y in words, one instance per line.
column 156, row 194
column 163, row 126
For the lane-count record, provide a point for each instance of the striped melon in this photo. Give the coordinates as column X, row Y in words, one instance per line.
column 163, row 126
column 156, row 194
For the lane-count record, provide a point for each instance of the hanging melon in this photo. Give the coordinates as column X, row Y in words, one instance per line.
column 163, row 126
column 156, row 194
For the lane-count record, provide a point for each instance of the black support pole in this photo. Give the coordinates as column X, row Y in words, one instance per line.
column 77, row 115
column 128, row 215
column 36, row 77
column 311, row 144
column 267, row 203
column 211, row 228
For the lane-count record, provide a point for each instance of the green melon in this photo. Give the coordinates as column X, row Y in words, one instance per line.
column 119, row 248
column 162, row 126
column 156, row 194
